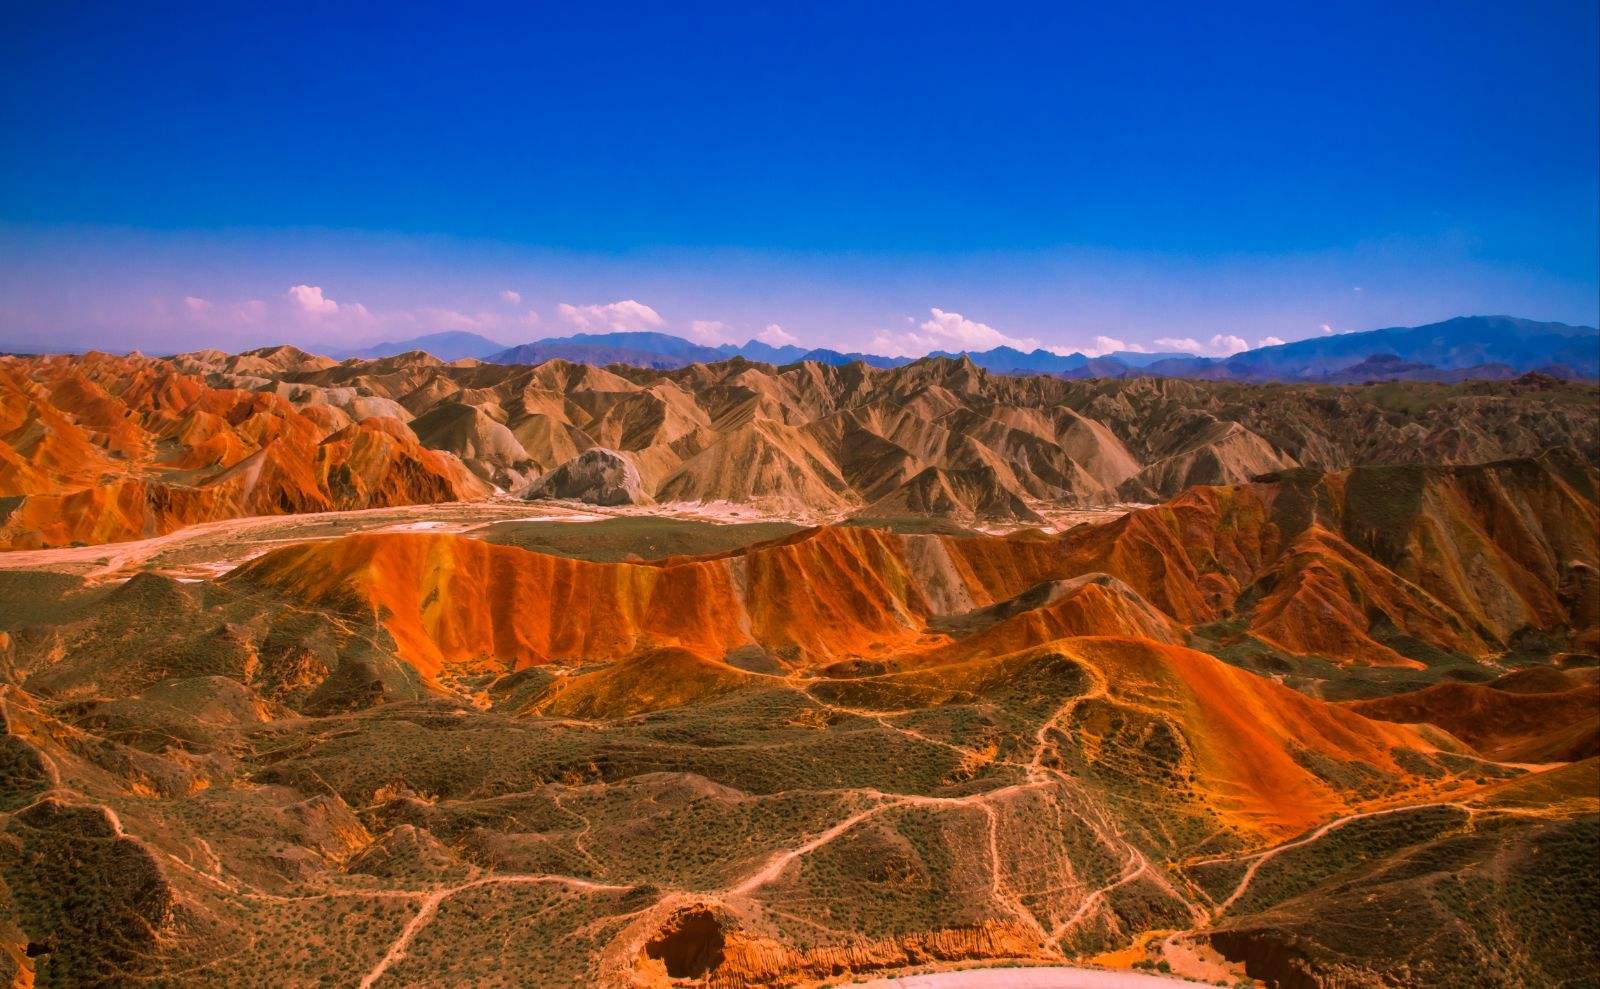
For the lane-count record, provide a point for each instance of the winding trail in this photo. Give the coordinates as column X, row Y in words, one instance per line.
column 779, row 861
column 1261, row 858
column 430, row 908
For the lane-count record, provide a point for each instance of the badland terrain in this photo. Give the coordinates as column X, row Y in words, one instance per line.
column 411, row 672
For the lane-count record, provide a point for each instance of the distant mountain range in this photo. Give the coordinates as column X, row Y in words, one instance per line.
column 663, row 351
column 1456, row 349
column 1494, row 344
column 451, row 345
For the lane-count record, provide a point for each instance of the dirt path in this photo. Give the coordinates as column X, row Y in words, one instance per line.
column 778, row 862
column 430, row 908
column 1262, row 858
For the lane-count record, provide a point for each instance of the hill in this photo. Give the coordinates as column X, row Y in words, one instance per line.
column 103, row 449
column 836, row 752
column 142, row 444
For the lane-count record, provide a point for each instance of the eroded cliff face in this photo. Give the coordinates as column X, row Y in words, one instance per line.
column 1464, row 558
column 809, row 600
column 708, row 944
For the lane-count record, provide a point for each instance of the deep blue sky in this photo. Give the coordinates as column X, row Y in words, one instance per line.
column 1055, row 173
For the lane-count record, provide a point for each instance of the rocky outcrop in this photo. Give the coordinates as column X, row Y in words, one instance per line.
column 720, row 948
column 597, row 476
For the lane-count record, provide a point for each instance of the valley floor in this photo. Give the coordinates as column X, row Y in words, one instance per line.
column 210, row 549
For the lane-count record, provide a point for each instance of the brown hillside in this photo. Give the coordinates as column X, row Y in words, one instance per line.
column 807, row 439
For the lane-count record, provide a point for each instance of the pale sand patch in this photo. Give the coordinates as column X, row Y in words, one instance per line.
column 1027, row 978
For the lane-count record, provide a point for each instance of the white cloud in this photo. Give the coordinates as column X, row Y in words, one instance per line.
column 309, row 299
column 1327, row 330
column 303, row 314
column 1270, row 342
column 1102, row 345
column 967, row 333
column 1221, row 345
column 776, row 335
column 1358, row 288
column 949, row 331
column 613, row 316
column 317, row 313
column 710, row 332
column 515, row 298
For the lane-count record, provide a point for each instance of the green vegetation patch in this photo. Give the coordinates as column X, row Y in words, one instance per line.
column 1344, row 851
column 628, row 538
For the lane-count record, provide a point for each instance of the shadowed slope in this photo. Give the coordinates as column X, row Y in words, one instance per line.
column 1463, row 558
column 1559, row 725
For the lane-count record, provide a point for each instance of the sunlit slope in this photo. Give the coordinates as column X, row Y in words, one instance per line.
column 1266, row 757
column 1303, row 562
column 820, row 596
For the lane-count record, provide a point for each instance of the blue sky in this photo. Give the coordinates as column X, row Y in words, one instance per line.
column 896, row 177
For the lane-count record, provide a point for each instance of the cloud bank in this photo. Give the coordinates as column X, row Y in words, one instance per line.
column 948, row 331
column 1221, row 345
column 613, row 317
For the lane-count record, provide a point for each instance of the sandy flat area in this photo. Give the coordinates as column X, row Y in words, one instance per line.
column 1028, row 978
column 210, row 549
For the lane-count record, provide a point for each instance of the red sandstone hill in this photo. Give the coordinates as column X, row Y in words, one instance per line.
column 1303, row 562
column 935, row 437
column 101, row 449
column 822, row 596
column 873, row 620
column 843, row 751
column 1463, row 558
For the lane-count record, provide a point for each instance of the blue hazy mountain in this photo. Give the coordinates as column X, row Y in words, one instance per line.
column 1435, row 351
column 755, row 350
column 642, row 349
column 451, row 345
column 1467, row 346
column 662, row 350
